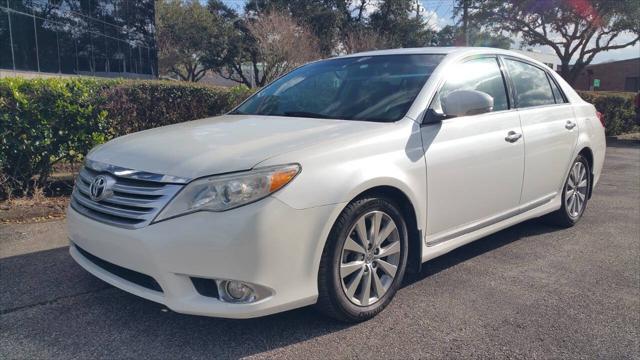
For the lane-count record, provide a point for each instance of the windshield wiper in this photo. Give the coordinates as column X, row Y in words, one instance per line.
column 307, row 114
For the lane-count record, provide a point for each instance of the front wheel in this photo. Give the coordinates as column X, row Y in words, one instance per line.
column 364, row 260
column 575, row 194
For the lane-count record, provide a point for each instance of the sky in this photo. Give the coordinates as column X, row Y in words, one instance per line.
column 440, row 12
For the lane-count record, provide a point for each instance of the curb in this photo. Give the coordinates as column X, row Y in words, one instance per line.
column 614, row 140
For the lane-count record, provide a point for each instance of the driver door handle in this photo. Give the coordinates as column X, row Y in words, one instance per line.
column 512, row 137
column 570, row 125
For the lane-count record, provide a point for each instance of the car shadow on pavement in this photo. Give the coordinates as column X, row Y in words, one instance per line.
column 489, row 243
column 52, row 306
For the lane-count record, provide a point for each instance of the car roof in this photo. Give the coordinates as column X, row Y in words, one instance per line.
column 444, row 50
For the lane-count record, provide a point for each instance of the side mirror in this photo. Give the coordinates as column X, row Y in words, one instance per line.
column 466, row 102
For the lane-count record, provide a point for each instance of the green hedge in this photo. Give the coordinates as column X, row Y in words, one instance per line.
column 46, row 121
column 618, row 109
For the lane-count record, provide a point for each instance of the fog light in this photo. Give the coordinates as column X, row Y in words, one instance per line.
column 237, row 291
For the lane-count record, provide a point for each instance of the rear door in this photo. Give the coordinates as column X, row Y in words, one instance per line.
column 474, row 173
column 549, row 128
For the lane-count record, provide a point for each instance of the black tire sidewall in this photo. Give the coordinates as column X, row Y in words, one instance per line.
column 362, row 207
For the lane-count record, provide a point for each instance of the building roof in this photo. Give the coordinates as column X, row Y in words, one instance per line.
column 614, row 62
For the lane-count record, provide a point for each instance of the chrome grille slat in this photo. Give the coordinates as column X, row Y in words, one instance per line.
column 152, row 189
column 107, row 219
column 123, row 200
column 136, row 190
column 101, row 207
column 133, row 204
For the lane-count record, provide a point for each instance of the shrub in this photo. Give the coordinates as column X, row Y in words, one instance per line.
column 46, row 121
column 139, row 105
column 618, row 109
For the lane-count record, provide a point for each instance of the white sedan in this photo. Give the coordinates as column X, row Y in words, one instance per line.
column 328, row 185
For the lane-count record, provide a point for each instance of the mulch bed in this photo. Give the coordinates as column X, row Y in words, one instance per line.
column 50, row 204
column 28, row 210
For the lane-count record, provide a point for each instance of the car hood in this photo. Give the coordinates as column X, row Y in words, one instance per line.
column 219, row 144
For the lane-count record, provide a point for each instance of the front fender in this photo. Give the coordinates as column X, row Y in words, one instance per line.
column 336, row 171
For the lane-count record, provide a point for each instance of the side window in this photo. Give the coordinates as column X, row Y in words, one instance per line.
column 556, row 91
column 479, row 74
column 531, row 83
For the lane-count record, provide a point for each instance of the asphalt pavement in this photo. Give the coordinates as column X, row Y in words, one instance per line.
column 530, row 291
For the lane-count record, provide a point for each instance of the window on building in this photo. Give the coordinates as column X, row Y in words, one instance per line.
column 6, row 59
column 85, row 54
column 24, row 42
column 632, row 84
column 78, row 36
column 146, row 64
column 47, row 46
column 100, row 55
column 531, row 83
column 19, row 5
column 114, row 64
column 67, row 51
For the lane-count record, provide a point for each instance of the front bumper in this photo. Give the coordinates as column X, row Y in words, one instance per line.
column 266, row 243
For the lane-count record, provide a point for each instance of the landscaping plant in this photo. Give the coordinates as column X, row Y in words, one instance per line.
column 47, row 121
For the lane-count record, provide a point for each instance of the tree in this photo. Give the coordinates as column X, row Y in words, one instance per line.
column 237, row 59
column 363, row 39
column 185, row 29
column 575, row 30
column 451, row 35
column 402, row 23
column 282, row 44
column 259, row 46
column 324, row 18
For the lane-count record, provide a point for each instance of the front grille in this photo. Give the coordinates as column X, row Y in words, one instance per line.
column 133, row 204
column 135, row 277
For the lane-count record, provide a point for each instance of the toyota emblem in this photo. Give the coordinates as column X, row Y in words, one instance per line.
column 101, row 187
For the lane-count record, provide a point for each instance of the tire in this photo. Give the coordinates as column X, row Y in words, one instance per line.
column 342, row 290
column 571, row 211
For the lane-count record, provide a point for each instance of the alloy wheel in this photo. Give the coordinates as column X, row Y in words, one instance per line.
column 370, row 258
column 576, row 190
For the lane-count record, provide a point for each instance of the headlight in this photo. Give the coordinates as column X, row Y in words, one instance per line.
column 225, row 192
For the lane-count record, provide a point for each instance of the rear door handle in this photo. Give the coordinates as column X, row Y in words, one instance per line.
column 512, row 137
column 570, row 125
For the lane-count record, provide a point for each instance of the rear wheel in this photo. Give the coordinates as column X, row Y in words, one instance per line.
column 364, row 260
column 575, row 194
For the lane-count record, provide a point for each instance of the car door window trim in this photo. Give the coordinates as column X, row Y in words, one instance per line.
column 505, row 83
column 547, row 74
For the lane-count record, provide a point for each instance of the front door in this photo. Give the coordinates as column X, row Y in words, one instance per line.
column 475, row 163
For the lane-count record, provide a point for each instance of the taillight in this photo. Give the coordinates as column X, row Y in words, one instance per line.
column 601, row 118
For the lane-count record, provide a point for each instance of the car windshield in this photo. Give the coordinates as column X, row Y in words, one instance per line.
column 369, row 88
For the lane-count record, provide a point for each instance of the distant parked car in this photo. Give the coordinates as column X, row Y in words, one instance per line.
column 326, row 186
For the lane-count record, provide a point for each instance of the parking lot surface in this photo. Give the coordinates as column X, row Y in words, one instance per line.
column 530, row 291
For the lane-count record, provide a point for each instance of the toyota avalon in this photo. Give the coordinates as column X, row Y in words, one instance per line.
column 328, row 185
